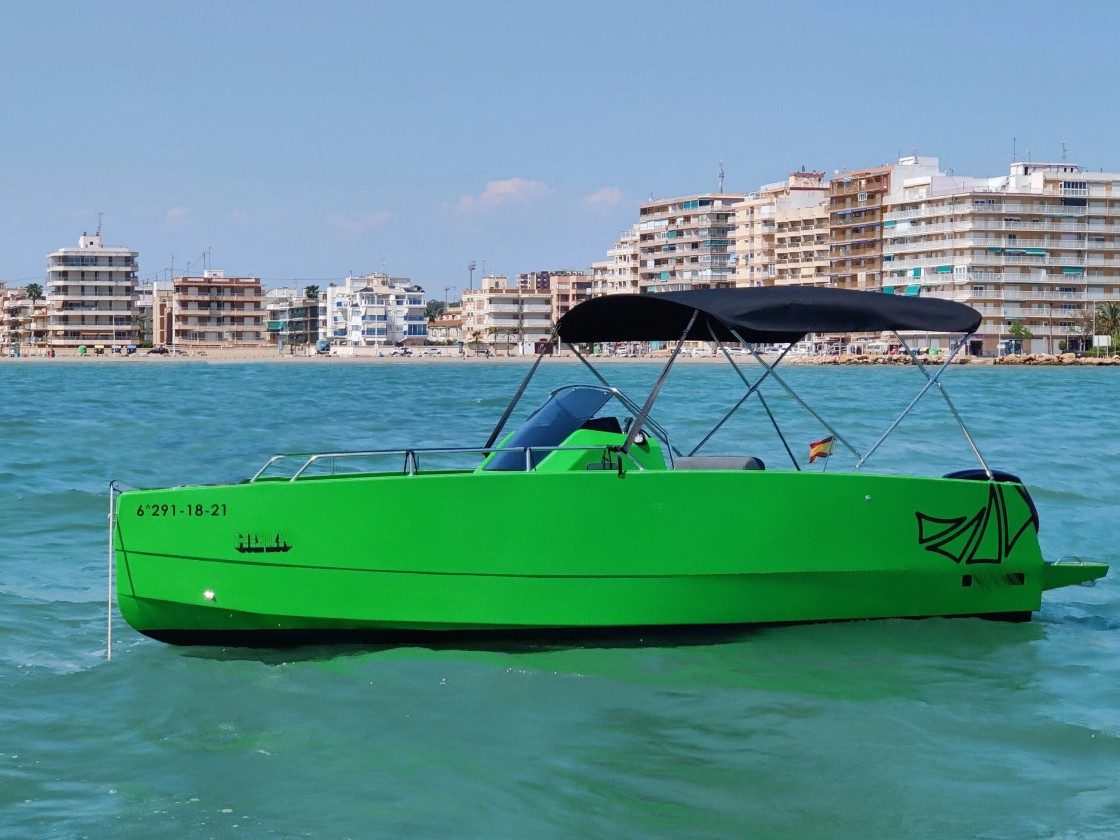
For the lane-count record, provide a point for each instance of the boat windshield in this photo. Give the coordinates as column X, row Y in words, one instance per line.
column 567, row 410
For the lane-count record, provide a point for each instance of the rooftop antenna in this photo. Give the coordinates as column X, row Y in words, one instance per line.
column 98, row 234
column 721, row 177
column 1014, row 153
column 1063, row 151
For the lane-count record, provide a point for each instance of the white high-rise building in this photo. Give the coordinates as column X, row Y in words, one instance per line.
column 618, row 273
column 374, row 310
column 91, row 294
column 1039, row 247
column 686, row 243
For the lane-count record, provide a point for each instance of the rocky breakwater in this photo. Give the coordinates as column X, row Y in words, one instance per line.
column 1060, row 359
column 866, row 359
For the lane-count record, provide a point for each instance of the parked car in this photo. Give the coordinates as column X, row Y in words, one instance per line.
column 431, row 351
column 159, row 351
column 401, row 351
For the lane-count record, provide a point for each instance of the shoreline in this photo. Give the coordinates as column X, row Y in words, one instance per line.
column 226, row 356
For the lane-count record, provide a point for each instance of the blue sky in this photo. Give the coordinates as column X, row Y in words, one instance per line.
column 301, row 141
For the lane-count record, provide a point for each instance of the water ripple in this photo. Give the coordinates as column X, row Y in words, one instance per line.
column 909, row 729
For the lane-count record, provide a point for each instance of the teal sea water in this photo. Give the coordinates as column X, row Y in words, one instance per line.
column 900, row 729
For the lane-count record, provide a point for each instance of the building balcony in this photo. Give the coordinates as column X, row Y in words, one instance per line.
column 78, row 288
column 1060, row 284
column 221, row 310
column 71, row 313
column 90, row 268
column 840, row 189
column 989, row 224
column 981, row 207
column 965, row 294
column 898, row 246
column 63, row 302
column 223, row 296
column 1072, row 260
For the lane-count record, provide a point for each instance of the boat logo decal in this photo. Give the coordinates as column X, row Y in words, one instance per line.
column 255, row 544
column 986, row 536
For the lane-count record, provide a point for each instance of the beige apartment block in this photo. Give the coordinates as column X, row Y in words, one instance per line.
column 568, row 287
column 618, row 273
column 91, row 295
column 23, row 324
column 163, row 313
column 1040, row 246
column 781, row 232
column 855, row 243
column 215, row 310
column 686, row 243
column 801, row 246
column 855, row 225
column 506, row 317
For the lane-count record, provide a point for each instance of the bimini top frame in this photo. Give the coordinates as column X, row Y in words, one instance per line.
column 781, row 315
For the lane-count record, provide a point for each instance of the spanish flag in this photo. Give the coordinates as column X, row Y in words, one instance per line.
column 820, row 449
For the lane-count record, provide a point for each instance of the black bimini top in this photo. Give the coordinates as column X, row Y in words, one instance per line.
column 776, row 314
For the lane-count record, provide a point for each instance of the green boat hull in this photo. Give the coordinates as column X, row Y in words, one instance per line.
column 270, row 562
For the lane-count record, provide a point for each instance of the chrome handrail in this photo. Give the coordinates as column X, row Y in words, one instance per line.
column 412, row 456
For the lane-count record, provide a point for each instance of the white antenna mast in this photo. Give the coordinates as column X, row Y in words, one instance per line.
column 721, row 177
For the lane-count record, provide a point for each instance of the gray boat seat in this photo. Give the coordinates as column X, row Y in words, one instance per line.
column 718, row 462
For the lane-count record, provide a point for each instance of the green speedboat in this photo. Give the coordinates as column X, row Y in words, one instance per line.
column 589, row 518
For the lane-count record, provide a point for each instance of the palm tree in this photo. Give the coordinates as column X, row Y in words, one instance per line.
column 435, row 309
column 1108, row 319
column 311, row 292
column 34, row 293
column 143, row 323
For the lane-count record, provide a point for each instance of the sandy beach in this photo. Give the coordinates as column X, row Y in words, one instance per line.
column 270, row 355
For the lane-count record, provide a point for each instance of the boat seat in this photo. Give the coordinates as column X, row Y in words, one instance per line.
column 718, row 462
column 603, row 424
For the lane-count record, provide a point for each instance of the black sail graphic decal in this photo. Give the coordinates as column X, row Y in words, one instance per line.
column 986, row 536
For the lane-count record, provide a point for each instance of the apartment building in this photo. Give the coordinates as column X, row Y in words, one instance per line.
column 686, row 243
column 374, row 310
column 293, row 317
column 855, row 219
column 855, row 225
column 506, row 316
column 91, row 295
column 801, row 245
column 781, row 232
column 618, row 273
column 1040, row 246
column 216, row 310
column 162, row 325
column 568, row 287
column 23, row 323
